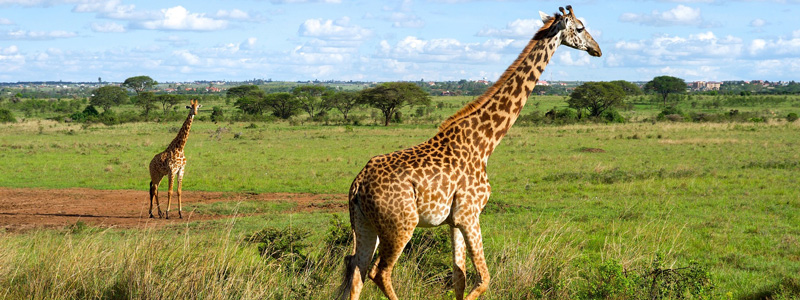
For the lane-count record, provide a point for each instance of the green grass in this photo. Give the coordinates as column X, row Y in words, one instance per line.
column 723, row 195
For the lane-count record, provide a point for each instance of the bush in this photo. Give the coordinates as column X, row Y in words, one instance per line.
column 108, row 117
column 611, row 281
column 280, row 243
column 612, row 116
column 6, row 116
column 217, row 114
column 791, row 117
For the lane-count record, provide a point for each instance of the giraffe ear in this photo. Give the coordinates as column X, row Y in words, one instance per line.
column 189, row 107
column 543, row 15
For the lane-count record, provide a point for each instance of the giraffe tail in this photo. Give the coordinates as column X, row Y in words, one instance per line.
column 343, row 292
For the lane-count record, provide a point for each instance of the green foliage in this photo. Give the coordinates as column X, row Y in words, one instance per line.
column 252, row 102
column 217, row 114
column 145, row 100
column 168, row 101
column 389, row 97
column 108, row 96
column 612, row 281
column 343, row 101
column 311, row 100
column 791, row 117
column 339, row 235
column 241, row 91
column 279, row 244
column 597, row 97
column 612, row 116
column 284, row 105
column 6, row 116
column 665, row 85
column 139, row 83
column 629, row 88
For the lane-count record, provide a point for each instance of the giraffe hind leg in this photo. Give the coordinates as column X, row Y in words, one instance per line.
column 459, row 262
column 357, row 264
column 389, row 252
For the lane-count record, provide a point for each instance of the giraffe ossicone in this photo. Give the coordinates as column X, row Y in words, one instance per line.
column 171, row 163
column 443, row 180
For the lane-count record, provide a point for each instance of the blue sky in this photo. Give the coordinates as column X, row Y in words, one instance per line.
column 81, row 40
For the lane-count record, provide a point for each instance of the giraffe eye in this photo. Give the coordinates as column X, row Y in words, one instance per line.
column 580, row 29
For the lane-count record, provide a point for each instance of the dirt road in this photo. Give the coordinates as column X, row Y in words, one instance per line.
column 27, row 208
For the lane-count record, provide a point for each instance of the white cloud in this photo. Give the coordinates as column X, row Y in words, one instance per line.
column 107, row 27
column 248, row 44
column 11, row 60
column 304, row 1
column 565, row 58
column 333, row 30
column 413, row 49
column 10, row 50
column 519, row 28
column 406, row 20
column 680, row 15
column 758, row 23
column 775, row 48
column 112, row 9
column 178, row 18
column 174, row 40
column 4, row 21
column 36, row 35
column 187, row 57
column 239, row 15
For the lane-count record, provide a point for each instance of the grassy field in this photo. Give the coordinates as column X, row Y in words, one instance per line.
column 565, row 220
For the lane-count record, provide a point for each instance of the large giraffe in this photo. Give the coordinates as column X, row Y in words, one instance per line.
column 443, row 180
column 170, row 163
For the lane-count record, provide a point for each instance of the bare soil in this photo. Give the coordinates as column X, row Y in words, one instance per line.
column 29, row 208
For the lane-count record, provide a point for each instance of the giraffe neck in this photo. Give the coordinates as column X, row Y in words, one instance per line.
column 180, row 141
column 485, row 121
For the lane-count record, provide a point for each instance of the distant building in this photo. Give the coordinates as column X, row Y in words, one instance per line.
column 705, row 86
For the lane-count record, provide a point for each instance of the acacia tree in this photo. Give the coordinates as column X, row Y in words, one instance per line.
column 252, row 102
column 597, row 97
column 146, row 100
column 311, row 100
column 168, row 101
column 108, row 96
column 139, row 83
column 343, row 101
column 390, row 97
column 284, row 105
column 665, row 85
column 240, row 91
column 629, row 88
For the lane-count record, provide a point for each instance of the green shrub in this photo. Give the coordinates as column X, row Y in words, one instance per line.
column 6, row 116
column 217, row 115
column 791, row 117
column 612, row 116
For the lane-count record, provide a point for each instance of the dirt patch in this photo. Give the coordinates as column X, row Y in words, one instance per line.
column 28, row 208
column 592, row 150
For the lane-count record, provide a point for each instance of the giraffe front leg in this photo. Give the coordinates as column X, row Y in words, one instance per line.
column 153, row 191
column 169, row 193
column 459, row 262
column 474, row 242
column 180, row 184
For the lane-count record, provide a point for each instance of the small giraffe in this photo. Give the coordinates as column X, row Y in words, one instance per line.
column 170, row 163
column 443, row 180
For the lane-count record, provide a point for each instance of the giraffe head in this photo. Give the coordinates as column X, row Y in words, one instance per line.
column 193, row 107
column 573, row 33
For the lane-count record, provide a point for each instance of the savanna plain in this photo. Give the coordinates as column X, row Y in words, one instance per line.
column 640, row 210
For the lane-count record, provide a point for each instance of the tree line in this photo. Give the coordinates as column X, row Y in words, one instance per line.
column 317, row 101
